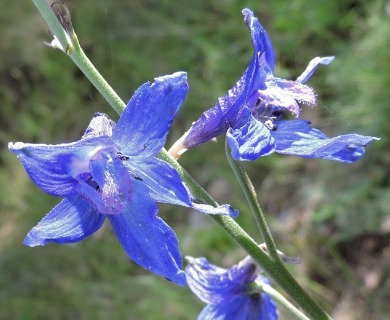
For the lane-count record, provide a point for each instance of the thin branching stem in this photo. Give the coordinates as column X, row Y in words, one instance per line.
column 251, row 198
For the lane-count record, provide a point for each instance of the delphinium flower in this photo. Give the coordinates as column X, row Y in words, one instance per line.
column 233, row 293
column 250, row 113
column 113, row 172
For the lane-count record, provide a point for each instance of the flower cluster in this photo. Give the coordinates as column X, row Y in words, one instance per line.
column 113, row 171
column 233, row 293
column 251, row 113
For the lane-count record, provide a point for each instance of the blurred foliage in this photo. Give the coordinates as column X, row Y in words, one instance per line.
column 333, row 215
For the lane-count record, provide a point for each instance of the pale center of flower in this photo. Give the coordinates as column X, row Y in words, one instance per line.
column 267, row 113
column 103, row 180
column 79, row 163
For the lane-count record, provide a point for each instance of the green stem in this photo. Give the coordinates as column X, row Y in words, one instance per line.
column 251, row 198
column 72, row 47
column 288, row 283
column 276, row 271
column 273, row 268
column 283, row 301
column 85, row 65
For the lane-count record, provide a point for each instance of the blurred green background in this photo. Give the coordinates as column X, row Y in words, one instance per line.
column 333, row 215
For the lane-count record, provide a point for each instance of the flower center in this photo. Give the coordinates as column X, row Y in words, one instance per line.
column 267, row 113
column 79, row 162
column 102, row 178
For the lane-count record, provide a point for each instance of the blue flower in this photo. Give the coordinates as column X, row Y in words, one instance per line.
column 230, row 293
column 113, row 172
column 250, row 113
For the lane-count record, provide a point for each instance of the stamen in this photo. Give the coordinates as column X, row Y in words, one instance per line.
column 122, row 156
column 136, row 177
column 270, row 125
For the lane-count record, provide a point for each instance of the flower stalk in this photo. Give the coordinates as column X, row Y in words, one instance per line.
column 274, row 268
column 283, row 301
column 251, row 198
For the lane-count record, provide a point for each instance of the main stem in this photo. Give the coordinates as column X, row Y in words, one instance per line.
column 276, row 271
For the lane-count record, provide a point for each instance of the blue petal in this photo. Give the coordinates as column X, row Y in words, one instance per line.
column 146, row 238
column 242, row 308
column 251, row 141
column 165, row 185
column 144, row 124
column 100, row 125
column 113, row 182
column 72, row 220
column 287, row 94
column 312, row 66
column 216, row 285
column 226, row 113
column 163, row 181
column 296, row 137
column 54, row 167
column 229, row 111
column 261, row 42
column 269, row 310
